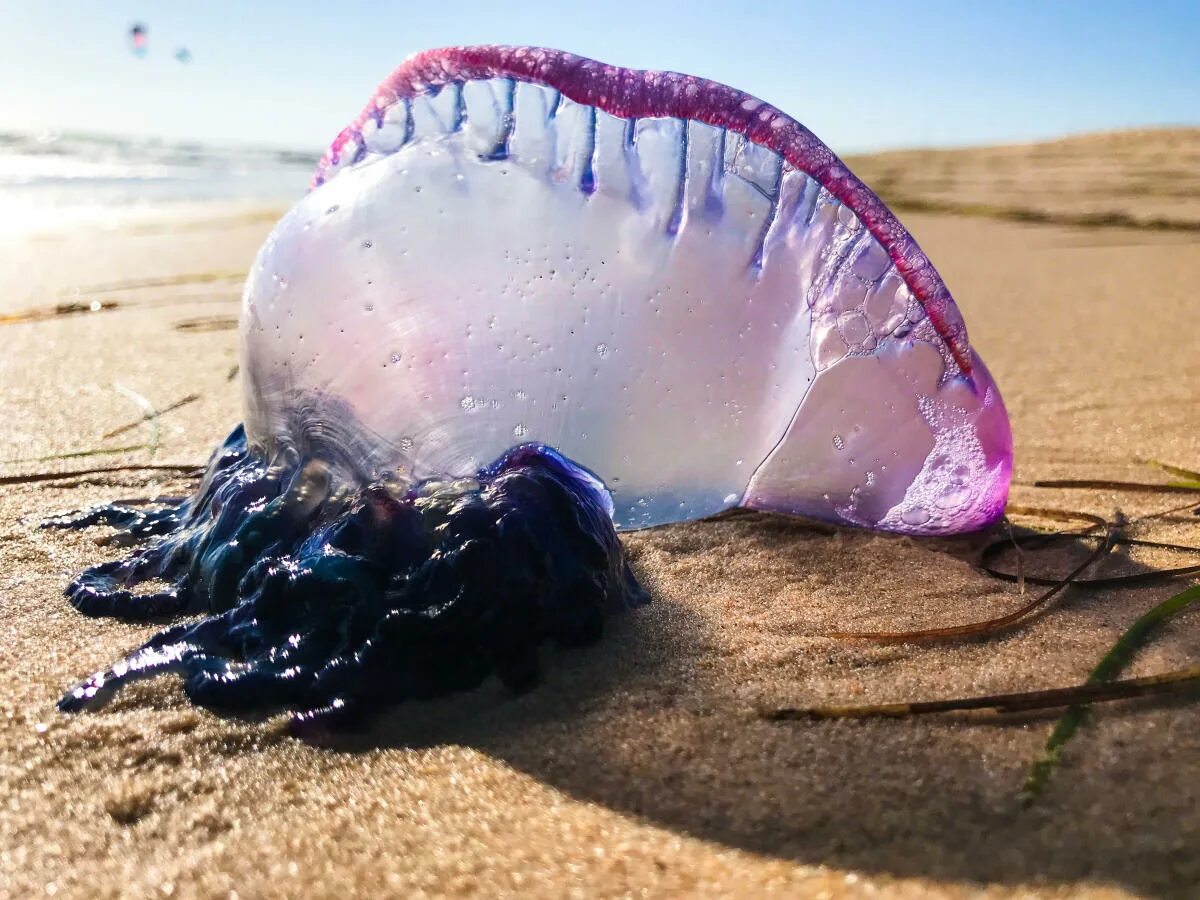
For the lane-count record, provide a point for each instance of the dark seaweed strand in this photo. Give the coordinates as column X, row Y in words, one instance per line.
column 629, row 94
column 1020, row 701
column 336, row 607
column 33, row 477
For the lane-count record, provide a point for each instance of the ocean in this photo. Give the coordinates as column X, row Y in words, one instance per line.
column 51, row 180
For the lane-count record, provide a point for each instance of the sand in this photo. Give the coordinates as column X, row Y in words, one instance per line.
column 1149, row 176
column 639, row 767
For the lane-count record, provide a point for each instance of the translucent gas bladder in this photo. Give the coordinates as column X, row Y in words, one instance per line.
column 682, row 311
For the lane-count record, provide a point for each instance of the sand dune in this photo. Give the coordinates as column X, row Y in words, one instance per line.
column 1118, row 178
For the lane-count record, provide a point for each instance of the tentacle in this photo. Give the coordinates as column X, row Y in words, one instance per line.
column 224, row 558
column 105, row 590
column 137, row 523
column 100, row 688
column 337, row 606
column 217, row 683
column 163, row 653
column 339, row 714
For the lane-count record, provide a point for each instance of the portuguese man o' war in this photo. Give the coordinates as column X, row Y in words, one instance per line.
column 529, row 301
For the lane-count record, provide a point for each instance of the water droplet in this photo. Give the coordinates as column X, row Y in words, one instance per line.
column 519, row 430
column 395, row 357
column 602, row 349
column 916, row 515
column 955, row 497
column 731, row 498
column 406, row 444
column 467, row 402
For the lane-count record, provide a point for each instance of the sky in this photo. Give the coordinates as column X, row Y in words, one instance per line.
column 862, row 75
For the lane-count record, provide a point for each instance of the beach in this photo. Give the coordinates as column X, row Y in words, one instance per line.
column 640, row 766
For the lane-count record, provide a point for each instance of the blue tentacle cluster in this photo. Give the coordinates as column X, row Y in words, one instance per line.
column 335, row 602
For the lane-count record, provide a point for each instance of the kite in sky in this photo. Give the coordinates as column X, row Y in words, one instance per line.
column 137, row 39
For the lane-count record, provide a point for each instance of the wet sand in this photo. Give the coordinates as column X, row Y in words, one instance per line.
column 639, row 766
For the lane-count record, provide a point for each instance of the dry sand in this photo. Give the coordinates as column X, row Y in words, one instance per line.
column 1150, row 176
column 639, row 766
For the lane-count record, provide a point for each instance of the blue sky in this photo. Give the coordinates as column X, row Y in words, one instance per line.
column 862, row 75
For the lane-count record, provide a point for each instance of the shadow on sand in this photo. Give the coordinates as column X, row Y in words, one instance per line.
column 643, row 726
